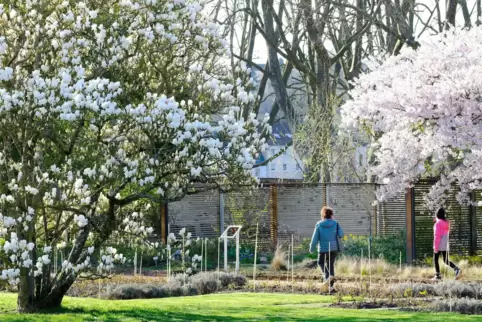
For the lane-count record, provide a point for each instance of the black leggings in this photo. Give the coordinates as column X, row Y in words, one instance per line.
column 326, row 262
column 445, row 258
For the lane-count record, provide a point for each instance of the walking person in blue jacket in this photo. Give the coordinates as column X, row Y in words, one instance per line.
column 326, row 239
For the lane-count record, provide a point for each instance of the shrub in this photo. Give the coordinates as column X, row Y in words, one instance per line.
column 472, row 260
column 457, row 289
column 246, row 252
column 179, row 279
column 190, row 290
column 228, row 279
column 174, row 289
column 445, row 289
column 412, row 289
column 179, row 285
column 137, row 291
column 205, row 283
column 384, row 247
column 464, row 306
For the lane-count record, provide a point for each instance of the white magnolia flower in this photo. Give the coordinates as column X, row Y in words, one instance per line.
column 64, row 89
column 81, row 220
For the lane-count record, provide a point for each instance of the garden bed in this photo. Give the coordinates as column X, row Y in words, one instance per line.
column 365, row 305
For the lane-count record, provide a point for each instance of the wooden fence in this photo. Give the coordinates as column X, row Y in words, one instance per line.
column 283, row 210
column 466, row 224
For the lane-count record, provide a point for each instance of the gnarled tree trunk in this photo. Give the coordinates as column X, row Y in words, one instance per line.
column 52, row 293
column 26, row 300
column 50, row 299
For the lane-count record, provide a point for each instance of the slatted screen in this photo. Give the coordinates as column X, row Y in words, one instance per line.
column 478, row 219
column 460, row 232
column 459, row 216
column 298, row 211
column 391, row 216
column 198, row 213
column 248, row 208
column 423, row 223
column 353, row 207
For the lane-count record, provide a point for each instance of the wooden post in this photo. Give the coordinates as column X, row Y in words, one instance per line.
column 163, row 212
column 410, row 224
column 273, row 209
column 473, row 225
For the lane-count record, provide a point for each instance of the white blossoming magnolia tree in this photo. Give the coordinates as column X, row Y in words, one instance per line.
column 423, row 109
column 104, row 104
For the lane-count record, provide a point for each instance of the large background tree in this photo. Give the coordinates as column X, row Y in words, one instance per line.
column 323, row 45
column 104, row 104
column 423, row 110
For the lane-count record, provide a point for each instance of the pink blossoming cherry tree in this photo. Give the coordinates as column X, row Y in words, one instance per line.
column 423, row 110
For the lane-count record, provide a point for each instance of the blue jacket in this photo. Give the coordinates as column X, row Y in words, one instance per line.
column 325, row 236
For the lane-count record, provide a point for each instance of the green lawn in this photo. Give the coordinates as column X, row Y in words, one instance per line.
column 216, row 307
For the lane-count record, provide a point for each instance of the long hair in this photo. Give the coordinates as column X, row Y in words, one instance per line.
column 441, row 214
column 326, row 212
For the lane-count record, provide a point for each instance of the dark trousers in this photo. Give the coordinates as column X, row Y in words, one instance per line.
column 326, row 262
column 445, row 258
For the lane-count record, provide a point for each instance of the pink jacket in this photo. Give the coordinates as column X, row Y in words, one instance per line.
column 441, row 235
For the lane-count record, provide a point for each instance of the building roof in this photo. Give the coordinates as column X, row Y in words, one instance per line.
column 260, row 159
column 281, row 134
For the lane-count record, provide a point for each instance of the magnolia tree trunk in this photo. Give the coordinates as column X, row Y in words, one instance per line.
column 47, row 291
column 49, row 297
column 28, row 303
column 26, row 299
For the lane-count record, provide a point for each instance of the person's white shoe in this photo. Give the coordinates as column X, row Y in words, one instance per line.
column 458, row 273
column 330, row 279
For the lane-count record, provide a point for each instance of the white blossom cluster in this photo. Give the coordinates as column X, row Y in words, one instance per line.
column 424, row 111
column 81, row 265
column 171, row 238
column 19, row 253
column 134, row 224
column 196, row 259
column 81, row 221
column 183, row 244
column 69, row 76
column 108, row 258
column 43, row 260
column 23, row 220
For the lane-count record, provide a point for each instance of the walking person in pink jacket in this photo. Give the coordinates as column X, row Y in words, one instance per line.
column 441, row 231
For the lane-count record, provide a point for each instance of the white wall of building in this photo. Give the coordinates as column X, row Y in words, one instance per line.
column 285, row 166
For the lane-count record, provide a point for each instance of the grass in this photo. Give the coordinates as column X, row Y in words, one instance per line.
column 216, row 307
